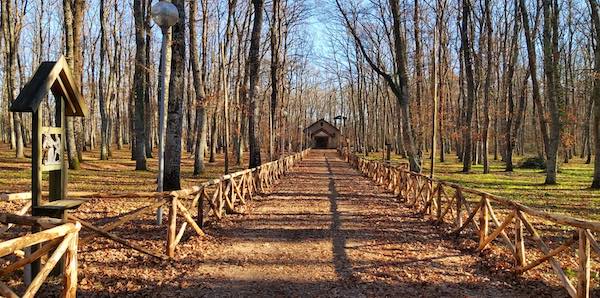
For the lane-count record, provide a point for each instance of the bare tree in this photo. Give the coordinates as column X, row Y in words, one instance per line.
column 398, row 82
column 253, row 65
column 596, row 91
column 140, row 84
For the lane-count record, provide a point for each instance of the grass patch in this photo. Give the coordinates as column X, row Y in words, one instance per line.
column 570, row 196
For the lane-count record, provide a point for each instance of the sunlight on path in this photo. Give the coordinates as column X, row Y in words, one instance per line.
column 326, row 230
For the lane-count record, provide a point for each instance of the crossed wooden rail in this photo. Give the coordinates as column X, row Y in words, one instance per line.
column 227, row 194
column 463, row 207
column 59, row 238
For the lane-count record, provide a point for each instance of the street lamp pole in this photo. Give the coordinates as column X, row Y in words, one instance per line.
column 165, row 15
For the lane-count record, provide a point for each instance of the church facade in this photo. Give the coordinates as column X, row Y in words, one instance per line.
column 322, row 135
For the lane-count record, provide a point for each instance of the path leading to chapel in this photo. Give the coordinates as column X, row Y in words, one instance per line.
column 325, row 230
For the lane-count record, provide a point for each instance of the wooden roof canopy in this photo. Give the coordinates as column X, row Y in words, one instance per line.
column 52, row 76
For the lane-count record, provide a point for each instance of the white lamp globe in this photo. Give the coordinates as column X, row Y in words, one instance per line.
column 165, row 14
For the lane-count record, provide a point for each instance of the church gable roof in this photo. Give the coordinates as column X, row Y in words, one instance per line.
column 322, row 124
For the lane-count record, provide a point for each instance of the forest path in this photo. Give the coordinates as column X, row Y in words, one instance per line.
column 325, row 230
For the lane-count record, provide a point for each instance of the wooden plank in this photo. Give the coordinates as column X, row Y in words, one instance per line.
column 51, row 167
column 9, row 246
column 32, row 257
column 483, row 221
column 25, row 220
column 172, row 228
column 188, row 217
column 470, row 218
column 459, row 199
column 546, row 250
column 519, row 242
column 70, row 274
column 593, row 242
column 180, row 233
column 62, row 204
column 583, row 275
column 131, row 216
column 22, row 211
column 51, row 130
column 15, row 196
column 497, row 231
column 115, row 238
column 547, row 256
column 50, row 263
column 502, row 233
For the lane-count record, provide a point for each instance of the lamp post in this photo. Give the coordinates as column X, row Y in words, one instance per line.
column 284, row 113
column 300, row 137
column 165, row 15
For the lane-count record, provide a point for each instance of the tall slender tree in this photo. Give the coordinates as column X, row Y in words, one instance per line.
column 253, row 72
column 140, row 85
column 176, row 100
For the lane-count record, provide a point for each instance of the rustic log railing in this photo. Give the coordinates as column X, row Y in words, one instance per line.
column 59, row 238
column 225, row 195
column 495, row 219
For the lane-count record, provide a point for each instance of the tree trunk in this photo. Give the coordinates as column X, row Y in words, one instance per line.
column 467, row 64
column 254, row 68
column 596, row 93
column 102, row 94
column 140, row 85
column 199, row 76
column 176, row 98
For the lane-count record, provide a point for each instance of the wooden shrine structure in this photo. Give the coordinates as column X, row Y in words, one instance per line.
column 48, row 142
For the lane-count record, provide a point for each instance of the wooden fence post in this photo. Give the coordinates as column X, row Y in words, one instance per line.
column 70, row 272
column 459, row 203
column 483, row 221
column 519, row 241
column 172, row 228
column 200, row 217
column 438, row 210
column 583, row 276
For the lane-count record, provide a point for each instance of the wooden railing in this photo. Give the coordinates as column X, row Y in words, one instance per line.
column 227, row 194
column 59, row 238
column 495, row 219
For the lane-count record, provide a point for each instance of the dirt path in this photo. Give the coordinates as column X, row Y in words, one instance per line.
column 327, row 231
column 323, row 231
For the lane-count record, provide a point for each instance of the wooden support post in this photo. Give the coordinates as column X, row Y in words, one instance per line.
column 519, row 242
column 70, row 272
column 200, row 217
column 583, row 276
column 36, row 179
column 459, row 204
column 483, row 221
column 172, row 228
column 439, row 202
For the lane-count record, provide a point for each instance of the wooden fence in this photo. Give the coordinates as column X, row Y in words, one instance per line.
column 494, row 219
column 59, row 238
column 225, row 195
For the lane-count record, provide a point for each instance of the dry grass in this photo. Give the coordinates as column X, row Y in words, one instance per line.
column 115, row 174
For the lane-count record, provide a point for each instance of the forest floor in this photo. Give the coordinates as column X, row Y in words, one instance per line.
column 572, row 195
column 115, row 174
column 323, row 230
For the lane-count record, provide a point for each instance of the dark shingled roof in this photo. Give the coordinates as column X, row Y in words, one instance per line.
column 52, row 76
column 319, row 121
